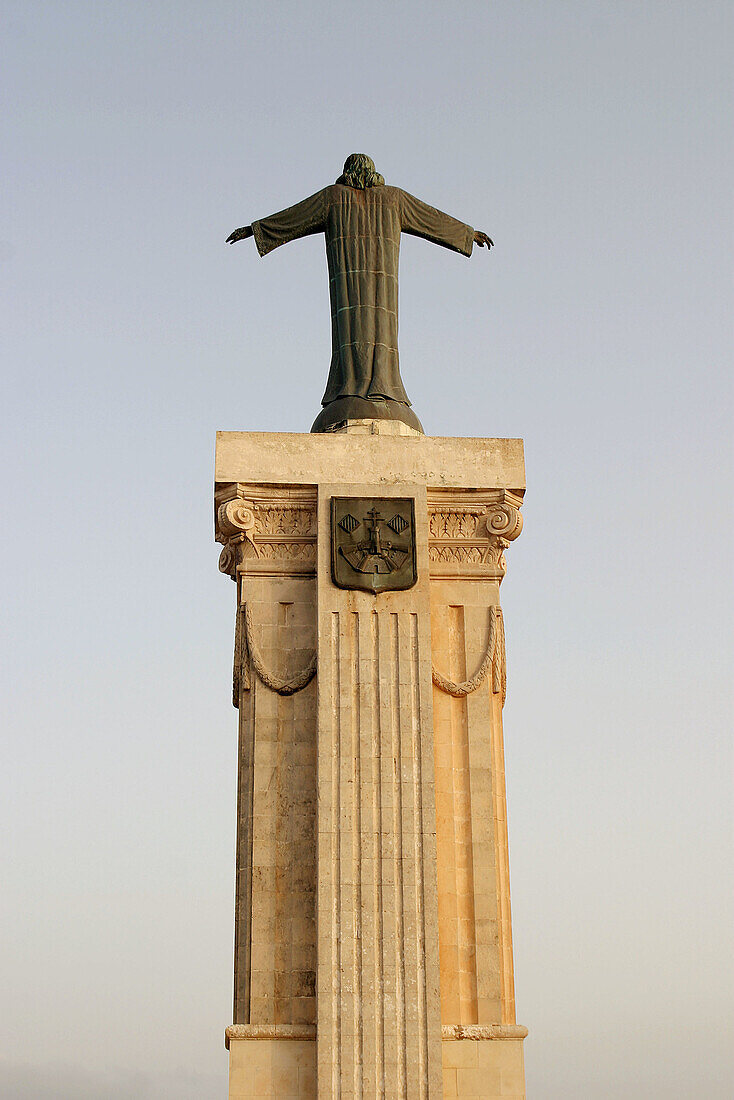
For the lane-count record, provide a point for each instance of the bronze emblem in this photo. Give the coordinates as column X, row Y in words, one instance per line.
column 373, row 543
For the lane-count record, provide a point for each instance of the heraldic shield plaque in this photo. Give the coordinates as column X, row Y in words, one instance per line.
column 373, row 543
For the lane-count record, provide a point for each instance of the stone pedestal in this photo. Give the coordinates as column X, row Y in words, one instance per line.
column 373, row 948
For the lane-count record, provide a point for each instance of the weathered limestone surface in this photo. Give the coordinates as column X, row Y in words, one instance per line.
column 378, row 984
column 484, row 1069
column 373, row 900
column 468, row 534
column 378, row 458
column 271, row 552
column 271, row 1062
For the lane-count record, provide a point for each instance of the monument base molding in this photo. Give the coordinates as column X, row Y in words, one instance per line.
column 280, row 1061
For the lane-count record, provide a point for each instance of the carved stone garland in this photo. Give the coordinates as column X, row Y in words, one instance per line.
column 494, row 658
column 272, row 529
column 246, row 650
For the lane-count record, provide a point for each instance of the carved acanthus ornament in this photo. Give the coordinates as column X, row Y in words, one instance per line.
column 469, row 531
column 266, row 529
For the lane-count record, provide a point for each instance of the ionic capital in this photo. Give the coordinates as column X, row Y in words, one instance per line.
column 469, row 531
column 265, row 529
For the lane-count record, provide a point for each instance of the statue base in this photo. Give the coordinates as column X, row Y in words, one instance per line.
column 334, row 416
column 373, row 940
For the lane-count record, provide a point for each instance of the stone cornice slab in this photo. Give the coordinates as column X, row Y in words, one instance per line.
column 483, row 1031
column 307, row 1032
column 299, row 458
column 300, row 1032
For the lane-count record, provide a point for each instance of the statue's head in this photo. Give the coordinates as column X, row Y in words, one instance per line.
column 360, row 171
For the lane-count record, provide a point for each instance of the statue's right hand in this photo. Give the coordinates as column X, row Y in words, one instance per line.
column 482, row 239
column 239, row 234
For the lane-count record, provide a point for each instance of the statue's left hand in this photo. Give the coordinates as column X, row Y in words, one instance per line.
column 239, row 234
column 482, row 239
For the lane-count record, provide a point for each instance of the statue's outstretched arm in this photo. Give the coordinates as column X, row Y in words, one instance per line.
column 239, row 234
column 296, row 221
column 422, row 220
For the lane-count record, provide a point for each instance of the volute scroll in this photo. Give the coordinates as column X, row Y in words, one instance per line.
column 470, row 530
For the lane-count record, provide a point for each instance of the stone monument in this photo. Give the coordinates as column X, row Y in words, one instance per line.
column 373, row 944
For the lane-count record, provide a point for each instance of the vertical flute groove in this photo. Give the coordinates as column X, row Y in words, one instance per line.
column 397, row 772
column 463, row 835
column 381, row 1026
column 357, row 859
column 336, row 856
column 418, row 835
column 377, row 736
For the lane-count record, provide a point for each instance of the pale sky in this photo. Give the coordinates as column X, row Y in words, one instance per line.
column 592, row 141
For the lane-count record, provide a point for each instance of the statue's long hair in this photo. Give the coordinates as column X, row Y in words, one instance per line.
column 360, row 171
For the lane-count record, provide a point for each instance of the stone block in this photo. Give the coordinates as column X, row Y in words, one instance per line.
column 272, row 1067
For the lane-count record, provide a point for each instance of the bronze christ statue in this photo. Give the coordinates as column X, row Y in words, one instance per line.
column 362, row 220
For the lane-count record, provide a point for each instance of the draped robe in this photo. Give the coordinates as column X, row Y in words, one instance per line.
column 362, row 229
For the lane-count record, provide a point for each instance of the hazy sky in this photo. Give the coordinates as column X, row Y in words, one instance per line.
column 592, row 141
